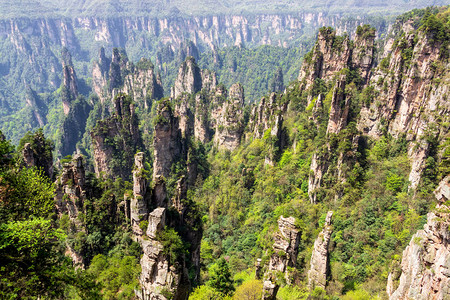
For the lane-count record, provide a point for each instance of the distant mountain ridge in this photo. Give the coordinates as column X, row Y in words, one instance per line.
column 159, row 8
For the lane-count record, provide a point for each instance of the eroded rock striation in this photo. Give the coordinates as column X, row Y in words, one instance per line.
column 38, row 154
column 410, row 85
column 69, row 91
column 70, row 194
column 425, row 267
column 115, row 75
column 116, row 139
column 335, row 60
column 139, row 205
column 230, row 124
column 317, row 274
column 285, row 249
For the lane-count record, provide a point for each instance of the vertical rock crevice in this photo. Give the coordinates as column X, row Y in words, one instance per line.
column 285, row 250
column 318, row 272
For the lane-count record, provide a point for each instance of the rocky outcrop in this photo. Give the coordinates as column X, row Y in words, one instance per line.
column 268, row 114
column 425, row 266
column 73, row 126
column 340, row 106
column 38, row 153
column 140, row 202
column 411, row 86
column 442, row 192
column 334, row 61
column 337, row 121
column 115, row 75
column 144, row 85
column 161, row 277
column 76, row 109
column 166, row 141
column 230, row 123
column 317, row 274
column 100, row 74
column 34, row 60
column 69, row 90
column 363, row 51
column 37, row 107
column 165, row 271
column 319, row 166
column 330, row 55
column 189, row 79
column 70, row 194
column 285, row 250
column 116, row 139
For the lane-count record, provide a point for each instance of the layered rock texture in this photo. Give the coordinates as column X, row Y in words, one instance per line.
column 425, row 266
column 405, row 97
column 162, row 274
column 69, row 89
column 165, row 272
column 411, row 86
column 38, row 153
column 285, row 248
column 75, row 107
column 69, row 197
column 116, row 139
column 334, row 60
column 111, row 76
column 317, row 274
column 139, row 205
column 230, row 124
column 205, row 109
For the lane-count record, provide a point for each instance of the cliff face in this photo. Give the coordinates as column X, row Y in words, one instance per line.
column 75, row 107
column 189, row 79
column 411, row 87
column 334, row 61
column 116, row 139
column 165, row 271
column 425, row 266
column 230, row 124
column 38, row 154
column 112, row 76
column 285, row 249
column 268, row 114
column 35, row 42
column 317, row 274
column 70, row 195
column 139, row 205
column 406, row 96
column 166, row 141
column 69, row 90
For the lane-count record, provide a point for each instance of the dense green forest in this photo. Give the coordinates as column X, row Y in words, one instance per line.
column 67, row 229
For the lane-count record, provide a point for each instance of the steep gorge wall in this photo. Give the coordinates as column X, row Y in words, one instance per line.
column 35, row 44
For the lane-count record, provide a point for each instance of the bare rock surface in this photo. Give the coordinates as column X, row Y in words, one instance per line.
column 317, row 274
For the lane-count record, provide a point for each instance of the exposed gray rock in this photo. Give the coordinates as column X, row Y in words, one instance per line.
column 139, row 202
column 285, row 250
column 442, row 192
column 340, row 105
column 189, row 79
column 70, row 195
column 156, row 222
column 425, row 266
column 166, row 140
column 317, row 274
column 411, row 97
column 230, row 125
column 122, row 127
column 69, row 86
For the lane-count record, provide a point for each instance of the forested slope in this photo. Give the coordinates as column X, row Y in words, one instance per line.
column 314, row 191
